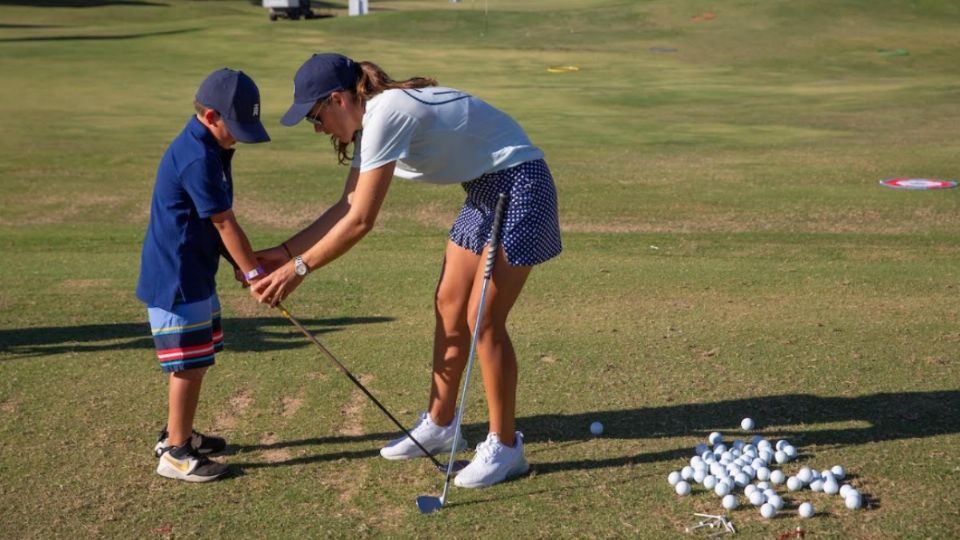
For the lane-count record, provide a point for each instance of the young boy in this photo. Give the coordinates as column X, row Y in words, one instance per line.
column 191, row 224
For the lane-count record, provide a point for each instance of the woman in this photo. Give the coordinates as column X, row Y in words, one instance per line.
column 419, row 131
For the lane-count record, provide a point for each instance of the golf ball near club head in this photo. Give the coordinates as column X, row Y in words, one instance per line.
column 730, row 501
column 715, row 438
column 768, row 510
column 747, row 424
column 596, row 428
column 682, row 488
column 806, row 510
column 853, row 500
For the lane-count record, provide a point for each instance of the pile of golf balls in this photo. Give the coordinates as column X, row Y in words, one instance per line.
column 726, row 468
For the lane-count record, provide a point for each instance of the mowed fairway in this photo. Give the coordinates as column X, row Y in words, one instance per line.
column 728, row 253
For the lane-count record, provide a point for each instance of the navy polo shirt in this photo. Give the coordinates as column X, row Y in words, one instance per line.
column 181, row 250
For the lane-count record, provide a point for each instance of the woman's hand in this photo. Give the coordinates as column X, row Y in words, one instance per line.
column 277, row 285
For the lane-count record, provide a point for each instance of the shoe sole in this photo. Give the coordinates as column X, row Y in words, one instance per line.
column 166, row 473
column 400, row 457
column 524, row 470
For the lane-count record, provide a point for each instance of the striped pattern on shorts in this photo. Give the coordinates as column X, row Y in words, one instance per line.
column 188, row 336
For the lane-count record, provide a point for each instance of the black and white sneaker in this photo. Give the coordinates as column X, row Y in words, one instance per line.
column 185, row 463
column 204, row 444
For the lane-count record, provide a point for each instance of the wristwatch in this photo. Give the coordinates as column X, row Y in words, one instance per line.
column 299, row 266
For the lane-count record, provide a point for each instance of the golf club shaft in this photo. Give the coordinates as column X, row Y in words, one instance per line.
column 487, row 272
column 353, row 379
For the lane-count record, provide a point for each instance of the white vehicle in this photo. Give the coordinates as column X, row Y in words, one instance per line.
column 290, row 9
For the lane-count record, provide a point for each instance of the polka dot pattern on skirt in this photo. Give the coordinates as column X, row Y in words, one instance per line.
column 531, row 229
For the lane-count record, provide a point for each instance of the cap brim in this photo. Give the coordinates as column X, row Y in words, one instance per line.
column 253, row 132
column 296, row 113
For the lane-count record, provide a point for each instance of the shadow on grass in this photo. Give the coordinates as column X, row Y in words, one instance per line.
column 888, row 416
column 256, row 334
column 79, row 37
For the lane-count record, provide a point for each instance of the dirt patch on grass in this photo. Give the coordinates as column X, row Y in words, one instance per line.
column 237, row 405
column 347, row 485
column 274, row 455
column 85, row 284
column 352, row 412
column 262, row 213
column 292, row 404
column 57, row 208
column 9, row 406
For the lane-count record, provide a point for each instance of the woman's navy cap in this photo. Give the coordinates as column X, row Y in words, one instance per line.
column 316, row 79
column 235, row 96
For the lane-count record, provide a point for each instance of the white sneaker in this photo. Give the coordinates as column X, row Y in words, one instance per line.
column 436, row 439
column 494, row 463
column 185, row 463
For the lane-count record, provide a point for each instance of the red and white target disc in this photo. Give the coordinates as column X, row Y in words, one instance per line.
column 918, row 183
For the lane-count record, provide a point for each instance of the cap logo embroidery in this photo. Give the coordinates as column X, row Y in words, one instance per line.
column 256, row 110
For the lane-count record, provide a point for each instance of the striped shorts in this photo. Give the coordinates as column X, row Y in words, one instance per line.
column 188, row 336
column 531, row 228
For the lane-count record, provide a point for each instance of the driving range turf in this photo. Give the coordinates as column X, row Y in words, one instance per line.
column 728, row 252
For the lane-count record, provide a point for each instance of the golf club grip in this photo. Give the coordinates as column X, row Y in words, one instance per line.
column 358, row 384
column 495, row 234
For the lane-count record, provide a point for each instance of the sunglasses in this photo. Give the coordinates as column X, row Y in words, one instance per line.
column 315, row 117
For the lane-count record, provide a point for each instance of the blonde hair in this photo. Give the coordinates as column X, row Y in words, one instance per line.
column 371, row 81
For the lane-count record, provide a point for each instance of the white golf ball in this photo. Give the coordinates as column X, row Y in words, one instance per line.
column 730, row 502
column 794, row 483
column 776, row 501
column 748, row 489
column 747, row 424
column 763, row 474
column 763, row 486
column 777, row 477
column 682, row 488
column 757, row 498
column 830, row 486
column 673, row 478
column 686, row 473
column 805, row 475
column 781, row 457
column 709, row 481
column 806, row 510
column 768, row 510
column 844, row 489
column 853, row 500
column 715, row 438
column 596, row 428
column 838, row 471
column 700, row 449
column 756, row 440
column 699, row 475
column 721, row 489
column 781, row 443
column 816, row 485
column 791, row 452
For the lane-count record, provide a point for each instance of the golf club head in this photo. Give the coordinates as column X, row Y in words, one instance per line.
column 428, row 505
column 458, row 466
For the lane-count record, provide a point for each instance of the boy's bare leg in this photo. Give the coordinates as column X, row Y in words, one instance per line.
column 183, row 398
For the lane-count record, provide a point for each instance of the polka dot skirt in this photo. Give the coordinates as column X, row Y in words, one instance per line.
column 531, row 229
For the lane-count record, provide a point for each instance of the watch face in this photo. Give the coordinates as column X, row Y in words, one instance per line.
column 299, row 267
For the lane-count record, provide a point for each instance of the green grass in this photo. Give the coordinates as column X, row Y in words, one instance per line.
column 728, row 253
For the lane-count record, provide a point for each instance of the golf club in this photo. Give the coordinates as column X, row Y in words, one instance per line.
column 454, row 466
column 426, row 503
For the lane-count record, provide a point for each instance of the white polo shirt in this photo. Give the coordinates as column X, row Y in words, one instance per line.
column 439, row 135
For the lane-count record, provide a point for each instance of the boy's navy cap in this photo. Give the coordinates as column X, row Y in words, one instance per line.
column 316, row 79
column 235, row 96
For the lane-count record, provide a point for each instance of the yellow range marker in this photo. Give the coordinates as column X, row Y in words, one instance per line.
column 563, row 69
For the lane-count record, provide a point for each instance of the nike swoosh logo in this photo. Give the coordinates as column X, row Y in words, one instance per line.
column 182, row 467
